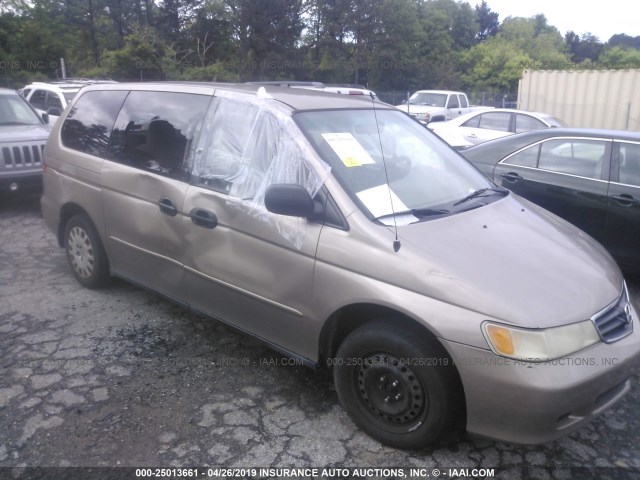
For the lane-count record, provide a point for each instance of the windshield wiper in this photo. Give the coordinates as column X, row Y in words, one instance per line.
column 418, row 212
column 483, row 192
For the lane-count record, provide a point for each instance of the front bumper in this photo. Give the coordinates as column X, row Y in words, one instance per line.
column 536, row 403
column 18, row 183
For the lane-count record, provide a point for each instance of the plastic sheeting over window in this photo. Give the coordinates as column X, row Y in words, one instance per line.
column 248, row 143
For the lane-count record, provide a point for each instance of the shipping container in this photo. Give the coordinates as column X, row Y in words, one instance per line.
column 584, row 98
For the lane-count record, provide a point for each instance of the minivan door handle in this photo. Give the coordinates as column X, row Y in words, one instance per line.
column 626, row 199
column 511, row 177
column 204, row 218
column 168, row 207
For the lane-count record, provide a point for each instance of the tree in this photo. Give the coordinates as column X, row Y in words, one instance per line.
column 488, row 22
column 267, row 33
column 143, row 57
column 583, row 47
column 209, row 33
column 619, row 57
column 497, row 63
column 623, row 40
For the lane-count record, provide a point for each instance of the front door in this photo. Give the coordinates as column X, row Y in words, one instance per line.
column 245, row 265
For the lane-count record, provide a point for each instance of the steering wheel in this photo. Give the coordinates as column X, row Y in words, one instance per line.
column 398, row 167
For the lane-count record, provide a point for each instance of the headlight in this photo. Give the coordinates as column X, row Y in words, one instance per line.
column 425, row 117
column 539, row 345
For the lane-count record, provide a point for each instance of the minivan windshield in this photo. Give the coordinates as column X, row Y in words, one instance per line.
column 426, row 179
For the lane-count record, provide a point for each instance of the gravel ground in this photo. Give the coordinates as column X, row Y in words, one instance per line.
column 120, row 377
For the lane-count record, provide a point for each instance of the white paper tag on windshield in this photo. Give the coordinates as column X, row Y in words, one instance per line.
column 378, row 202
column 348, row 149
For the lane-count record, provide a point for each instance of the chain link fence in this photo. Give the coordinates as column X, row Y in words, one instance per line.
column 486, row 99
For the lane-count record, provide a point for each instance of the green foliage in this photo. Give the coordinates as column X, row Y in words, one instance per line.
column 385, row 44
column 143, row 57
column 620, row 57
column 583, row 47
column 215, row 72
column 488, row 23
column 494, row 66
column 521, row 43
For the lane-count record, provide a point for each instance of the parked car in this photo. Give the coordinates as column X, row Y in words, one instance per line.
column 53, row 97
column 342, row 88
column 590, row 178
column 23, row 134
column 480, row 126
column 344, row 234
column 437, row 105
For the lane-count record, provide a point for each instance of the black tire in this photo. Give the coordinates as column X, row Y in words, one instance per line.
column 85, row 252
column 424, row 402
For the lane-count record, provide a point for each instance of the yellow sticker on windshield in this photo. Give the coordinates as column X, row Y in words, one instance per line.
column 348, row 149
column 351, row 162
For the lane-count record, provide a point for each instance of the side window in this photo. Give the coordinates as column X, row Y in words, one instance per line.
column 25, row 92
column 53, row 101
column 38, row 99
column 155, row 130
column 525, row 158
column 495, row 121
column 89, row 123
column 629, row 164
column 245, row 147
column 526, row 123
column 580, row 157
column 463, row 101
column 227, row 139
column 453, row 102
column 472, row 122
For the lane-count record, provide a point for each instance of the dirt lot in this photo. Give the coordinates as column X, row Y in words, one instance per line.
column 120, row 377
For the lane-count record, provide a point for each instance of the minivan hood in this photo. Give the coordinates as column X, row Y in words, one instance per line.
column 514, row 261
column 23, row 133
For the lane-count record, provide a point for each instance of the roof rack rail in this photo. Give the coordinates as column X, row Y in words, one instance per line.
column 339, row 88
column 76, row 81
column 288, row 83
column 346, row 85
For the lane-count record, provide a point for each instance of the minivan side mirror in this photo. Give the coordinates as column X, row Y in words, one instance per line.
column 45, row 117
column 289, row 199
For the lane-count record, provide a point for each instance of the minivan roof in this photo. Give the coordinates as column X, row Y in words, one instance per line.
column 295, row 98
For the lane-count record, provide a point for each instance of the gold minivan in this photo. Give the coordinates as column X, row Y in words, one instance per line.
column 343, row 233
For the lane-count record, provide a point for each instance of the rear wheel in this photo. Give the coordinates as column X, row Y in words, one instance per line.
column 398, row 384
column 85, row 252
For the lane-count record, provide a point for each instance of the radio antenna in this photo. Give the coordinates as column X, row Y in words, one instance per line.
column 396, row 242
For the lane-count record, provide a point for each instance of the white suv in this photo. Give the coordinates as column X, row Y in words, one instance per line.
column 52, row 97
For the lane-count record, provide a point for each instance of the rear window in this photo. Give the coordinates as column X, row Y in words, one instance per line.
column 88, row 125
column 526, row 123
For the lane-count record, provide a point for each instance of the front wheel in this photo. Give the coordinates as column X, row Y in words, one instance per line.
column 85, row 252
column 398, row 384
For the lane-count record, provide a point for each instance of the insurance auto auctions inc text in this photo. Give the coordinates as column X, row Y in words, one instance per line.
column 335, row 473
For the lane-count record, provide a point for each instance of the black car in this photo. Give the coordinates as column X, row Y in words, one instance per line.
column 589, row 177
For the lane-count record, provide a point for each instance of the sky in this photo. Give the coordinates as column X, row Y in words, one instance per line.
column 602, row 19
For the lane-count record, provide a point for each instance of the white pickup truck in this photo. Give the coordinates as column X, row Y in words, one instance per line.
column 436, row 105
